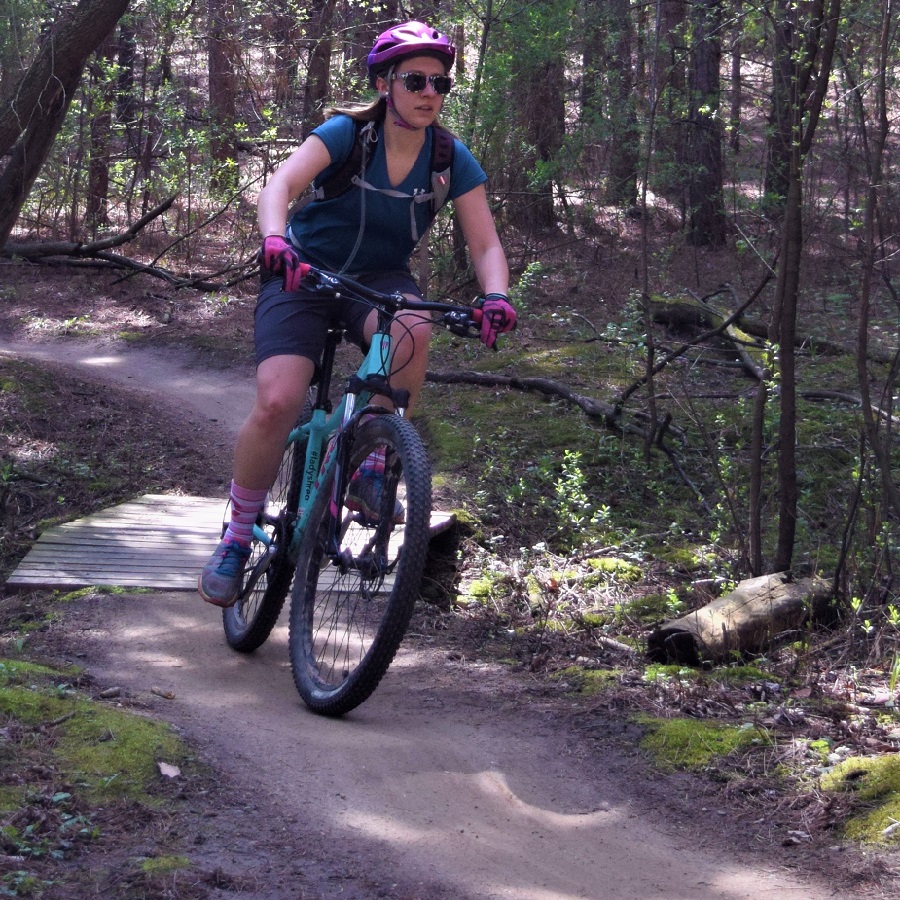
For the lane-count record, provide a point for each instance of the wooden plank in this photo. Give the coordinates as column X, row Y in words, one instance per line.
column 157, row 541
column 132, row 538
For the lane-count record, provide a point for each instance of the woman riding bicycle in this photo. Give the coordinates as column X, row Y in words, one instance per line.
column 368, row 232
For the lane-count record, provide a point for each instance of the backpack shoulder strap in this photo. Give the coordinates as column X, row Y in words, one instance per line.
column 442, row 147
column 342, row 180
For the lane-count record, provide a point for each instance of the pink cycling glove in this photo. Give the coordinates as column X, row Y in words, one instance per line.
column 497, row 318
column 280, row 258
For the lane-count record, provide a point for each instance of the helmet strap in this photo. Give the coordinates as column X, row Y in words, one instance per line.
column 398, row 119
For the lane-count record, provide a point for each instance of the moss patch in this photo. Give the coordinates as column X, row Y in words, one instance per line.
column 16, row 671
column 116, row 752
column 732, row 675
column 109, row 752
column 10, row 796
column 873, row 780
column 693, row 744
column 617, row 569
column 649, row 608
column 588, row 682
column 164, row 865
column 484, row 590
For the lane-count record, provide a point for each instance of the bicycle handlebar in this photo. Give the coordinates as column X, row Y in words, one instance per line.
column 463, row 321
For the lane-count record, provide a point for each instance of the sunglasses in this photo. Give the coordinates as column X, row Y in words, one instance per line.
column 416, row 81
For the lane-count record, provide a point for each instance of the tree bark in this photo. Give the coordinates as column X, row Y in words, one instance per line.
column 126, row 49
column 778, row 145
column 318, row 79
column 706, row 206
column 734, row 115
column 809, row 83
column 59, row 62
column 286, row 35
column 876, row 145
column 101, row 122
column 222, row 100
column 29, row 124
column 545, row 131
column 668, row 96
column 624, row 154
column 15, row 35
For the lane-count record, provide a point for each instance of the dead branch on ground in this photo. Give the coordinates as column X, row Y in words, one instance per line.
column 98, row 254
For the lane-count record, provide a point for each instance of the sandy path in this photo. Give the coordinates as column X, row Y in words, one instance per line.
column 451, row 781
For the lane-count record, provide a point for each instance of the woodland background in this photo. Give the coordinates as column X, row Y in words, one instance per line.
column 758, row 134
column 699, row 203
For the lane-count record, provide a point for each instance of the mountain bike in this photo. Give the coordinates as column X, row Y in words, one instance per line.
column 355, row 574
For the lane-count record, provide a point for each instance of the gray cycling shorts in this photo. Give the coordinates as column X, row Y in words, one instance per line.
column 296, row 323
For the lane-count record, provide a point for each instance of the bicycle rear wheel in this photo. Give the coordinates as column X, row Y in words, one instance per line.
column 269, row 571
column 352, row 601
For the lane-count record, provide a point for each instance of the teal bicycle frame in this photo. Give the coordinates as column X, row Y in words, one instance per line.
column 323, row 425
column 354, row 572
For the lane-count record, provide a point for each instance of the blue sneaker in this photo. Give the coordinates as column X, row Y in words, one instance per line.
column 220, row 580
column 364, row 497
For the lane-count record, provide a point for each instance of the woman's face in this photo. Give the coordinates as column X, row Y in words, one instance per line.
column 417, row 108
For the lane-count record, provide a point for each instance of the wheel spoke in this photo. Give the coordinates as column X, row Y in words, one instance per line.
column 352, row 604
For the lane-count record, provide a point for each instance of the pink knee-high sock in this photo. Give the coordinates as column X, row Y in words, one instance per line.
column 245, row 508
column 375, row 461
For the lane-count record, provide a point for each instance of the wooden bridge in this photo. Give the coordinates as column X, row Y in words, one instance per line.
column 158, row 541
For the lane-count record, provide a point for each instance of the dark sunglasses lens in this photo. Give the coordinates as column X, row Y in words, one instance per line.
column 414, row 81
column 441, row 83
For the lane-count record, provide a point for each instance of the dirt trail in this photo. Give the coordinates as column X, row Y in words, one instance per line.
column 450, row 782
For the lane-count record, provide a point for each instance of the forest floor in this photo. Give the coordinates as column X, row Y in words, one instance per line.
column 466, row 775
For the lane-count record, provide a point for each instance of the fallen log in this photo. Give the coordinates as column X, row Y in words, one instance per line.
column 38, row 251
column 748, row 620
column 692, row 313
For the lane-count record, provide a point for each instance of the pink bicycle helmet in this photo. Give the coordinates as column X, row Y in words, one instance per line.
column 408, row 39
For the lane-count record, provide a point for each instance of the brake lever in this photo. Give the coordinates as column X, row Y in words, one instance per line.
column 319, row 280
column 463, row 322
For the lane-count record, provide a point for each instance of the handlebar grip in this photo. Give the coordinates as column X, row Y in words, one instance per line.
column 463, row 322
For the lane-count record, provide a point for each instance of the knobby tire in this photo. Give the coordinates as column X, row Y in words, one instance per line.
column 265, row 585
column 347, row 620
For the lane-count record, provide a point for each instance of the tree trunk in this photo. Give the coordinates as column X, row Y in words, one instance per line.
column 545, row 132
column 668, row 95
column 592, row 58
column 101, row 121
column 877, row 142
column 14, row 36
column 755, row 479
column 786, row 293
column 780, row 131
column 808, row 86
column 222, row 101
column 126, row 103
column 59, row 61
column 625, row 141
column 318, row 79
column 734, row 115
column 286, row 35
column 364, row 22
column 706, row 206
column 30, row 123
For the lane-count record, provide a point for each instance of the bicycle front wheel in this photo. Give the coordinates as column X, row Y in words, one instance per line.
column 358, row 575
column 267, row 577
